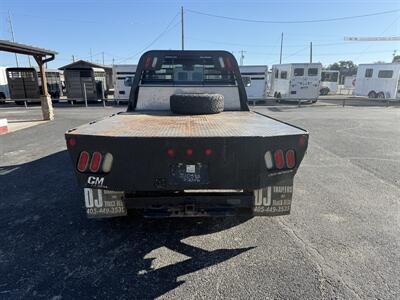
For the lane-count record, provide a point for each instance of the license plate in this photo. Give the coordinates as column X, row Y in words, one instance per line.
column 189, row 174
column 104, row 204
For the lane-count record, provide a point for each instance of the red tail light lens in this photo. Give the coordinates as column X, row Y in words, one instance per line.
column 208, row 152
column 171, row 152
column 279, row 159
column 72, row 142
column 290, row 159
column 189, row 151
column 95, row 162
column 302, row 140
column 83, row 161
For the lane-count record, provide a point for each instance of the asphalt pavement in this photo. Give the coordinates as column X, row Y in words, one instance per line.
column 341, row 241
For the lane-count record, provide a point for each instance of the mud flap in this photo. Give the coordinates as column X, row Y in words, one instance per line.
column 273, row 200
column 104, row 204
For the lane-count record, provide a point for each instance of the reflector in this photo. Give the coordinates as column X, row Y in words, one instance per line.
column 72, row 142
column 189, row 152
column 208, row 152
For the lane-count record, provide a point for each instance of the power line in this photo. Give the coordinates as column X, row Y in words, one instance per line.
column 167, row 29
column 293, row 22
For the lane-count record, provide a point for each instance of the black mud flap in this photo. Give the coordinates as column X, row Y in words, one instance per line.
column 273, row 200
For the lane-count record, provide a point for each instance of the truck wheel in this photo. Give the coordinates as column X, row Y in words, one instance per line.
column 196, row 104
column 324, row 92
column 380, row 95
column 371, row 95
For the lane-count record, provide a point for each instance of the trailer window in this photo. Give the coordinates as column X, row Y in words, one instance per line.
column 276, row 73
column 329, row 76
column 312, row 71
column 128, row 81
column 188, row 71
column 299, row 72
column 284, row 75
column 385, row 74
column 368, row 73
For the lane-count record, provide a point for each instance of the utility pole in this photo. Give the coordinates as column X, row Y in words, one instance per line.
column 183, row 40
column 29, row 61
column 113, row 60
column 73, row 58
column 12, row 35
column 242, row 57
column 310, row 52
column 280, row 56
column 91, row 57
column 102, row 54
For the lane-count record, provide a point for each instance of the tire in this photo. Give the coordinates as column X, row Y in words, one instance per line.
column 380, row 95
column 372, row 94
column 196, row 104
column 314, row 101
column 324, row 92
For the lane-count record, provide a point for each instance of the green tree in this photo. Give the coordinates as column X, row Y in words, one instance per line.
column 396, row 58
column 345, row 68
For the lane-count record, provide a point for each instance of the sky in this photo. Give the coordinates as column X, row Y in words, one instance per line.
column 121, row 30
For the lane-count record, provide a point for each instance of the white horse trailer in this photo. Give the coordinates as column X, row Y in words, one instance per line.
column 4, row 91
column 329, row 82
column 297, row 81
column 123, row 79
column 255, row 81
column 378, row 81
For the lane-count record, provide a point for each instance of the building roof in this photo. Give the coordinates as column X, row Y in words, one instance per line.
column 24, row 49
column 83, row 63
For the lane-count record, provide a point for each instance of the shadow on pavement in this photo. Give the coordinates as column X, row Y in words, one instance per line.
column 48, row 247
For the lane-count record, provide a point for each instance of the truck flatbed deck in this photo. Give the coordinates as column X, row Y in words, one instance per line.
column 166, row 124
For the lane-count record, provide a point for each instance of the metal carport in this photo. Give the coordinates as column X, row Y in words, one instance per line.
column 41, row 56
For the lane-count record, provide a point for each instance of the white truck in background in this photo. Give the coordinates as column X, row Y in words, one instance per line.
column 380, row 81
column 296, row 81
column 4, row 90
column 329, row 82
column 123, row 76
column 255, row 81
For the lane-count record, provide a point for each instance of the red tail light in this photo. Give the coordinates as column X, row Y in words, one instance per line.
column 279, row 159
column 83, row 161
column 171, row 152
column 189, row 151
column 95, row 162
column 302, row 140
column 72, row 142
column 208, row 152
column 290, row 159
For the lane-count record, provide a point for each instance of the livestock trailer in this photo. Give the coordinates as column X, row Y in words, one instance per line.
column 378, row 81
column 54, row 84
column 296, row 81
column 4, row 90
column 329, row 82
column 23, row 85
column 123, row 76
column 88, row 82
column 255, row 80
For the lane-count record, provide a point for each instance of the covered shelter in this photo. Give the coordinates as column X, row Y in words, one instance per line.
column 41, row 56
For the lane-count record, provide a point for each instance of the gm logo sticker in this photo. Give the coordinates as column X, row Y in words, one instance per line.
column 97, row 181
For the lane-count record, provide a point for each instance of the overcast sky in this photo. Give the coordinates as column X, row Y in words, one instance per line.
column 123, row 29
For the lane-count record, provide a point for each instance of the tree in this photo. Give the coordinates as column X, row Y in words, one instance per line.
column 396, row 58
column 345, row 68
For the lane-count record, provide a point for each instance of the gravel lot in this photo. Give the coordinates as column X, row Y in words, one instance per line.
column 342, row 239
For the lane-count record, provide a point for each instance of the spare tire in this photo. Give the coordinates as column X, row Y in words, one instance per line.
column 196, row 104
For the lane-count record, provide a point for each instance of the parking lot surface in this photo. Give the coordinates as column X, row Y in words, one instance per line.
column 341, row 240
